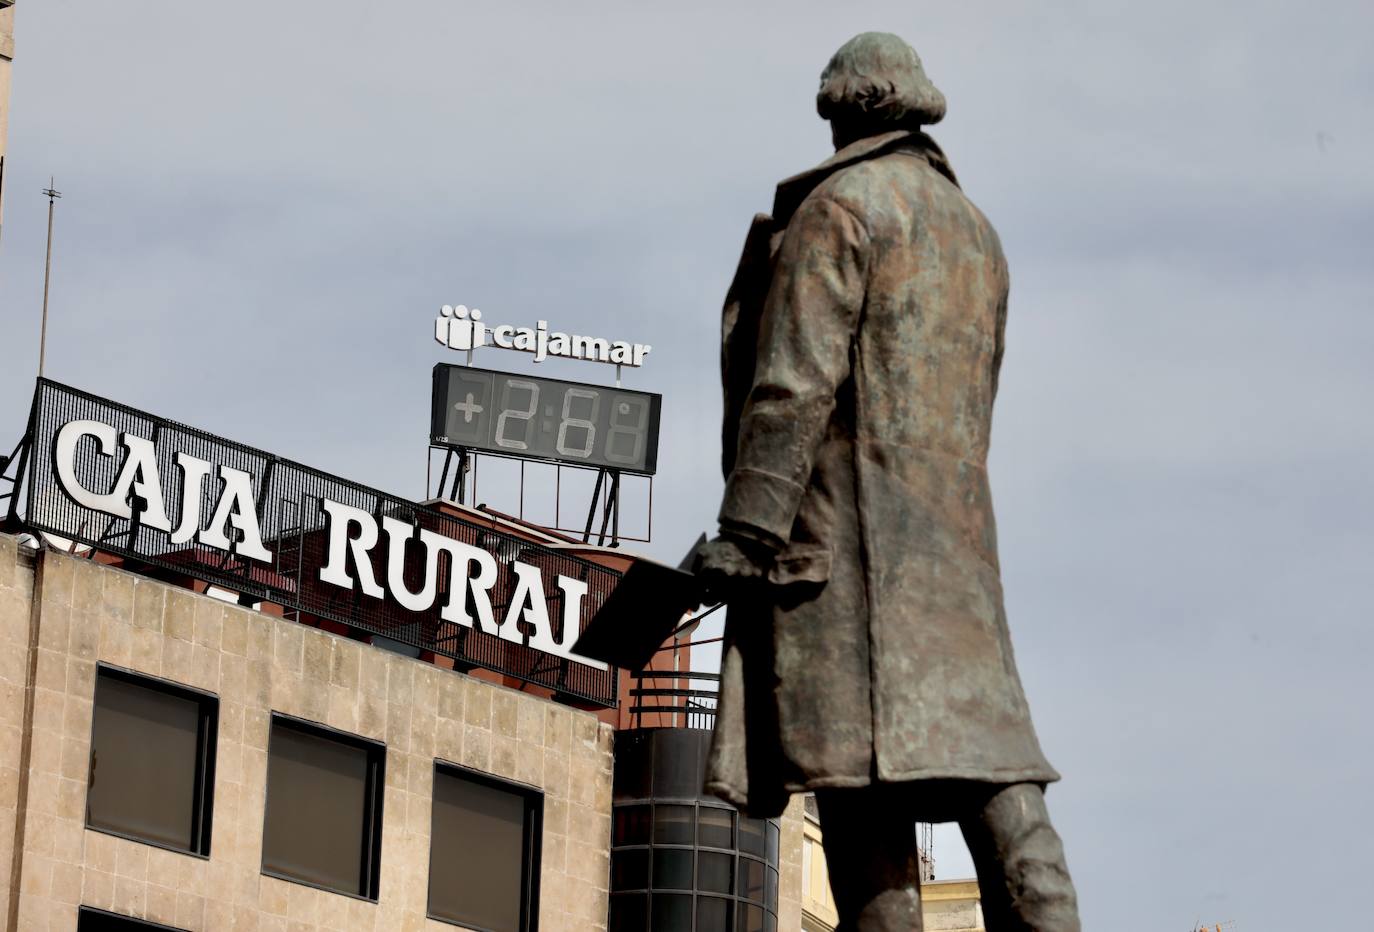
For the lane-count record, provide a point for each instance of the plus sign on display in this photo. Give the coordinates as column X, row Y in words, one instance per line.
column 545, row 419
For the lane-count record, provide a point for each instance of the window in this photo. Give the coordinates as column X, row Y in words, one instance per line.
column 324, row 808
column 484, row 851
column 97, row 920
column 692, row 867
column 152, row 761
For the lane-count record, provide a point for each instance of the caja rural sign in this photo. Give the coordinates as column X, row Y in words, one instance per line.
column 183, row 500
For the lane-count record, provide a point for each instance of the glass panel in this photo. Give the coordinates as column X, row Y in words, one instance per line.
column 630, row 869
column 629, row 912
column 633, row 766
column 315, row 802
column 772, row 844
column 90, row 920
column 715, row 871
column 632, row 825
column 716, row 828
column 770, row 923
column 677, row 763
column 672, row 912
column 144, row 745
column 750, row 918
column 751, row 836
column 770, row 895
column 751, row 879
column 477, row 853
column 715, row 914
column 673, row 825
column 672, row 869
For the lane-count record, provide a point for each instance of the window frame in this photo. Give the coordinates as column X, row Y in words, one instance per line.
column 207, row 744
column 374, row 796
column 530, row 863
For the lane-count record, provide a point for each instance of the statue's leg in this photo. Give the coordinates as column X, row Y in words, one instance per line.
column 1022, row 878
column 870, row 851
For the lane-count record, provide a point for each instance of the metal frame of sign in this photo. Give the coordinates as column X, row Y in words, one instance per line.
column 289, row 501
column 653, row 413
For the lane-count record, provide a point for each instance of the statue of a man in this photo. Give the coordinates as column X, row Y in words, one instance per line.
column 867, row 655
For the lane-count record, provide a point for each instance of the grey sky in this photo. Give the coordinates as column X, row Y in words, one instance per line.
column 264, row 206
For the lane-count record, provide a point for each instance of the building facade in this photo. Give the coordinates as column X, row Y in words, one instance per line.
column 173, row 760
column 71, row 626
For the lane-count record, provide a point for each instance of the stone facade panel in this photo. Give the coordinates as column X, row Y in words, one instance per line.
column 89, row 614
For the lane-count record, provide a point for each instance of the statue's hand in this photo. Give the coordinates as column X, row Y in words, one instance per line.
column 731, row 564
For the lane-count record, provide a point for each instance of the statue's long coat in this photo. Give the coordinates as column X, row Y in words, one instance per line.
column 862, row 340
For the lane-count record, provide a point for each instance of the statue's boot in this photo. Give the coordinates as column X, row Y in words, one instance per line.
column 1023, row 881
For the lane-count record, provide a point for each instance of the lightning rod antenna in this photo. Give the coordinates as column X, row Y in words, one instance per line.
column 52, row 195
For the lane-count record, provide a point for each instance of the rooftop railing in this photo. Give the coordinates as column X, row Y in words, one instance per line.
column 686, row 706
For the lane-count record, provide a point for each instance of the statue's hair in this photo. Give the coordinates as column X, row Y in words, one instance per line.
column 876, row 79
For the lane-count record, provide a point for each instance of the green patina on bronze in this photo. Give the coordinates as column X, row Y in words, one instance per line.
column 862, row 338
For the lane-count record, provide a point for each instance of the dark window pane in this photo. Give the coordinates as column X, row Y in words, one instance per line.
column 673, row 825
column 629, row 912
column 751, row 836
column 630, row 869
column 715, row 871
column 770, row 923
column 479, row 852
column 772, row 844
column 715, row 914
column 672, row 869
column 751, row 879
column 716, row 828
column 93, row 920
column 632, row 825
column 633, row 765
column 770, row 895
column 317, row 806
column 144, row 749
column 672, row 912
column 750, row 918
column 678, row 770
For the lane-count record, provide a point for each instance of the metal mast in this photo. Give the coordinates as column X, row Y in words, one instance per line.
column 53, row 195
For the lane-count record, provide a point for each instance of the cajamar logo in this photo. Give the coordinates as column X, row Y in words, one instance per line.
column 462, row 329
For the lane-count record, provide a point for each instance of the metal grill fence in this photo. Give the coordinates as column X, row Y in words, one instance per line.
column 689, row 706
column 288, row 497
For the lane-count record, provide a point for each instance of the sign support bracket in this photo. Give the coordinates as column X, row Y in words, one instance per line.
column 602, row 524
column 460, row 475
column 607, row 480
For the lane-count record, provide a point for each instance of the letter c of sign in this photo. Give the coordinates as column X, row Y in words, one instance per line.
column 502, row 336
column 64, row 453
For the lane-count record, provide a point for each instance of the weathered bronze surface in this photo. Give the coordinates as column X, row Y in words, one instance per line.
column 867, row 645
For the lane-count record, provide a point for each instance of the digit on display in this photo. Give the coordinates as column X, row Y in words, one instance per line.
column 588, row 425
column 517, row 413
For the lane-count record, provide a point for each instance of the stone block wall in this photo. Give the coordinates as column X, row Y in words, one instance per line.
column 790, row 867
column 79, row 613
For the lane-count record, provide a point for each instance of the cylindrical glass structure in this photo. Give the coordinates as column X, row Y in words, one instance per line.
column 683, row 861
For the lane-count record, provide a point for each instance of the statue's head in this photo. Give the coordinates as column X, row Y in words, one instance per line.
column 875, row 84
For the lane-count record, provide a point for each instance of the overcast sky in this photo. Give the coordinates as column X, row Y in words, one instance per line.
column 264, row 206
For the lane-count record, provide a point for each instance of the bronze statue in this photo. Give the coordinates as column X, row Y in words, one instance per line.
column 867, row 655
